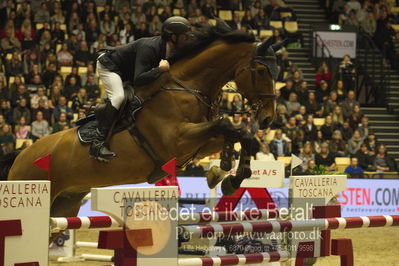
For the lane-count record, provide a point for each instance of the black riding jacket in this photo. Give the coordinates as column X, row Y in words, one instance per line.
column 137, row 61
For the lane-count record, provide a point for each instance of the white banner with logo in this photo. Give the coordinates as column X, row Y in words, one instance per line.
column 338, row 43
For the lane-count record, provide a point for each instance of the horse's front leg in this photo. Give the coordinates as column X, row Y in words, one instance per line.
column 232, row 183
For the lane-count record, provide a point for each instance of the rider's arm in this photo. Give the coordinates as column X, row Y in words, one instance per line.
column 146, row 67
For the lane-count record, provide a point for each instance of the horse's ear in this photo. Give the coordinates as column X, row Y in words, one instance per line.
column 277, row 46
column 262, row 47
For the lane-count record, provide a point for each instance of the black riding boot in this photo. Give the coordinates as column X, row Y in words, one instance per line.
column 99, row 148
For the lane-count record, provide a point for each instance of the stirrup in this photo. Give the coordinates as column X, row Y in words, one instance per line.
column 96, row 152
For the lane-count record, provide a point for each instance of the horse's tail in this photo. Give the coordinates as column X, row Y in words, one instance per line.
column 6, row 162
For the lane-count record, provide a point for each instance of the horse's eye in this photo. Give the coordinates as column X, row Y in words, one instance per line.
column 261, row 72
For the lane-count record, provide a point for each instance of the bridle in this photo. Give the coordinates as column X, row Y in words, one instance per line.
column 257, row 102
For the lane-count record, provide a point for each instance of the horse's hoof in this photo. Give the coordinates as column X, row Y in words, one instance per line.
column 227, row 187
column 226, row 164
column 214, row 176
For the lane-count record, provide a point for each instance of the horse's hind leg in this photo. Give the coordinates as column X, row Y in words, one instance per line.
column 67, row 205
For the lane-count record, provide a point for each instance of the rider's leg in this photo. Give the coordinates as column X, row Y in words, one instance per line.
column 114, row 88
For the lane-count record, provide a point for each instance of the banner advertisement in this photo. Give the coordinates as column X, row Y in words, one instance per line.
column 338, row 43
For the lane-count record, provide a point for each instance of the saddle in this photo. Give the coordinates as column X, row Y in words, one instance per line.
column 129, row 108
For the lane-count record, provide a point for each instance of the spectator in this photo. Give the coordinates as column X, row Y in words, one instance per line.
column 26, row 34
column 74, row 73
column 141, row 31
column 37, row 97
column 155, row 26
column 18, row 95
column 35, row 83
column 348, row 104
column 354, row 170
column 287, row 89
column 290, row 129
column 264, row 154
column 299, row 142
column 237, row 105
column 354, row 5
column 62, row 123
column 92, row 32
column 352, row 19
column 17, row 81
column 323, row 73
column 71, row 88
column 340, row 91
column 383, row 162
column 21, row 111
column 4, row 91
column 261, row 20
column 356, row 117
column 127, row 34
column 337, row 144
column 364, row 128
column 278, row 146
column 14, row 66
column 371, row 143
column 9, row 42
column 235, row 24
column 292, row 103
column 347, row 73
column 319, row 140
column 248, row 20
column 310, row 129
column 346, row 130
column 302, row 92
column 238, row 123
column 194, row 168
column 355, row 142
column 366, row 161
column 6, row 139
column 330, row 104
column 369, row 24
column 306, row 156
column 63, row 108
column 92, row 88
column 80, row 100
column 325, row 158
column 323, row 92
column 42, row 15
column 83, row 56
column 328, row 128
column 5, row 111
column 40, row 127
column 49, row 74
column 58, row 35
column 107, row 26
column 337, row 116
column 58, row 17
column 22, row 130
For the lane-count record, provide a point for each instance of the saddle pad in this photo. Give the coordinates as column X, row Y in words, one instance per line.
column 87, row 132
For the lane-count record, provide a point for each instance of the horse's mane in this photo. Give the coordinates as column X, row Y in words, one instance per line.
column 205, row 35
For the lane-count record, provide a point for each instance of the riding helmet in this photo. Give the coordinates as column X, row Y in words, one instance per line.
column 175, row 25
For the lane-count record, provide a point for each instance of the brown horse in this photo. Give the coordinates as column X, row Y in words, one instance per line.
column 174, row 122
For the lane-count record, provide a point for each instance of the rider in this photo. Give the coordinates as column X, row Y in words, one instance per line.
column 139, row 62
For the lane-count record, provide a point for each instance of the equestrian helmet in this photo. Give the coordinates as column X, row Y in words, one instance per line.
column 175, row 25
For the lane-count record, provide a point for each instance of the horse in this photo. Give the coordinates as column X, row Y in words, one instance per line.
column 174, row 121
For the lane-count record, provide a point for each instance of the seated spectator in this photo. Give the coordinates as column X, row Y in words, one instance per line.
column 92, row 88
column 323, row 73
column 340, row 91
column 371, row 143
column 354, row 170
column 366, row 161
column 64, row 57
column 18, row 95
column 310, row 129
column 292, row 103
column 14, row 66
column 290, row 128
column 338, row 145
column 35, row 83
column 278, row 146
column 127, row 34
column 356, row 117
column 5, row 93
column 352, row 19
column 40, row 127
column 328, row 128
column 21, row 111
column 287, row 89
column 364, row 128
column 141, row 31
column 44, row 109
column 348, row 104
column 248, row 20
column 261, row 20
column 42, row 15
column 298, row 143
column 330, row 104
column 355, row 142
column 80, row 100
column 62, row 123
column 22, row 130
column 62, row 107
column 312, row 104
column 264, row 154
column 346, row 130
column 296, row 78
column 92, row 33
column 302, row 92
column 83, row 56
column 194, row 168
column 58, row 35
column 6, row 111
column 281, row 117
column 306, row 156
column 71, row 89
column 325, row 158
column 74, row 74
column 10, row 43
column 337, row 116
column 383, row 162
column 237, row 105
column 107, row 26
column 238, row 123
column 26, row 34
column 323, row 92
column 6, row 139
column 319, row 140
column 369, row 24
column 49, row 75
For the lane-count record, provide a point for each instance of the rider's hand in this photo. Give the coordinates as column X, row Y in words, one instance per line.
column 164, row 65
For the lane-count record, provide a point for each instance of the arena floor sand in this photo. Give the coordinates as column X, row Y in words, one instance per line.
column 372, row 247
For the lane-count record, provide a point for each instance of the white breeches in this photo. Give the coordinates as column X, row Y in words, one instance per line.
column 113, row 85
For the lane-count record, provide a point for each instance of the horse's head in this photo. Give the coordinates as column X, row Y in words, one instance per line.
column 255, row 80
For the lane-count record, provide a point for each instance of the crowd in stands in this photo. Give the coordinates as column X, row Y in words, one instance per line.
column 47, row 76
column 377, row 18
